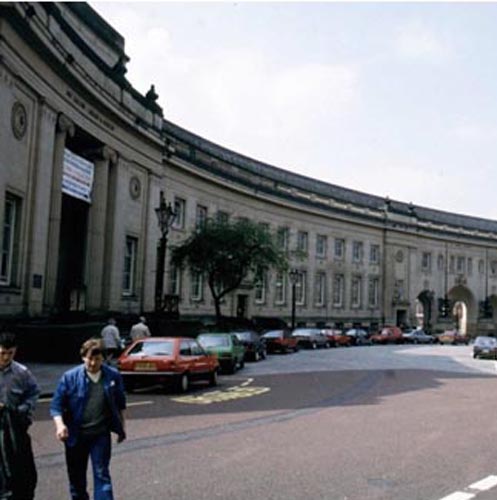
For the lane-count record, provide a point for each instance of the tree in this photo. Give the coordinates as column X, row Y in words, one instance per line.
column 227, row 253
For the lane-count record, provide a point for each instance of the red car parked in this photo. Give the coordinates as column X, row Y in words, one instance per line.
column 388, row 335
column 337, row 338
column 280, row 341
column 161, row 360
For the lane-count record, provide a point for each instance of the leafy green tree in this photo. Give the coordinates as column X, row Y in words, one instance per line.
column 227, row 253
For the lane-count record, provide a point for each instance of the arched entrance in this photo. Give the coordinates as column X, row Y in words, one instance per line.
column 424, row 310
column 464, row 310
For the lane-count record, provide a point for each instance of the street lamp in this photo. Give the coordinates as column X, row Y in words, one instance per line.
column 165, row 216
column 294, row 275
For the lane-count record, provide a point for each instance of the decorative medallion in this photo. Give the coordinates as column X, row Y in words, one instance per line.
column 135, row 188
column 19, row 120
column 399, row 256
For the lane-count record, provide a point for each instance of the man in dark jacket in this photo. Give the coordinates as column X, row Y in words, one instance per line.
column 18, row 395
column 87, row 406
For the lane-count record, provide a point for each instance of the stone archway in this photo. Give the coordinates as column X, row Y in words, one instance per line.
column 424, row 309
column 464, row 310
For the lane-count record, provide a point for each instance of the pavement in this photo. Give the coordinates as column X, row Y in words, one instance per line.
column 47, row 375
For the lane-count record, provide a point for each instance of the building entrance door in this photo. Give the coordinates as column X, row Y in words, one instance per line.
column 241, row 307
column 72, row 254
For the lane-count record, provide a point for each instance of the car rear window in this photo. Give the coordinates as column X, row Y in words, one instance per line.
column 214, row 340
column 273, row 335
column 159, row 348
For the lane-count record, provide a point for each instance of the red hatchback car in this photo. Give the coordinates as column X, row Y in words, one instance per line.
column 165, row 360
column 280, row 340
column 387, row 335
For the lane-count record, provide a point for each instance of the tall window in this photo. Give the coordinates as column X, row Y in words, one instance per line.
column 470, row 266
column 374, row 254
column 10, row 239
column 321, row 245
column 339, row 248
column 355, row 291
column 426, row 261
column 320, row 289
column 197, row 286
column 260, row 288
column 280, row 292
column 174, row 280
column 374, row 286
column 129, row 275
column 338, row 290
column 282, row 238
column 440, row 262
column 180, row 209
column 461, row 261
column 481, row 266
column 300, row 288
column 200, row 216
column 357, row 250
column 302, row 241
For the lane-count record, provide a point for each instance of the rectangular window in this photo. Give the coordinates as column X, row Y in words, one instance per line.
column 260, row 288
column 200, row 217
column 374, row 286
column 338, row 290
column 320, row 289
column 321, row 245
column 374, row 254
column 197, row 286
column 452, row 264
column 461, row 261
column 280, row 292
column 426, row 261
column 174, row 280
column 10, row 239
column 339, row 248
column 302, row 241
column 129, row 275
column 355, row 292
column 300, row 288
column 180, row 209
column 282, row 238
column 470, row 266
column 357, row 251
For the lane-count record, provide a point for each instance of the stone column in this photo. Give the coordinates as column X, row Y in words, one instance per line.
column 64, row 127
column 97, row 237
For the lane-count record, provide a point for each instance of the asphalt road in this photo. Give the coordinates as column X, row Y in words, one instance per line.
column 362, row 423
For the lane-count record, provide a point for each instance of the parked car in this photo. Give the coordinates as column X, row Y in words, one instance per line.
column 164, row 360
column 358, row 336
column 337, row 338
column 311, row 337
column 418, row 336
column 485, row 347
column 280, row 341
column 387, row 335
column 255, row 346
column 227, row 347
column 452, row 337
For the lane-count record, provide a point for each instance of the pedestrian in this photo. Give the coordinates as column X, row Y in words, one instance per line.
column 111, row 339
column 18, row 395
column 140, row 329
column 89, row 403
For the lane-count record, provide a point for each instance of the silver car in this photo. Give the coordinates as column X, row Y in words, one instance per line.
column 311, row 337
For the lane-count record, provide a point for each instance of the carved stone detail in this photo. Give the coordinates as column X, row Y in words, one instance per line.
column 65, row 124
column 19, row 120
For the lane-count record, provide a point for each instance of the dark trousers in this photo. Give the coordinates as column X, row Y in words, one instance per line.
column 99, row 449
column 24, row 478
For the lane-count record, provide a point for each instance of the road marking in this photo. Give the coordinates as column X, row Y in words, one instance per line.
column 139, row 403
column 247, row 382
column 237, row 392
column 484, row 484
column 44, row 400
column 459, row 495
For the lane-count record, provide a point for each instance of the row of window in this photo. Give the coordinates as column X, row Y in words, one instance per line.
column 282, row 286
column 457, row 264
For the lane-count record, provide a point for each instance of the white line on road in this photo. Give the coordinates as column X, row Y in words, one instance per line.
column 484, row 484
column 139, row 403
column 459, row 495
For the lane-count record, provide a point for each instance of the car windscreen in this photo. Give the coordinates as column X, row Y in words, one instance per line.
column 247, row 336
column 273, row 335
column 159, row 348
column 214, row 340
column 485, row 341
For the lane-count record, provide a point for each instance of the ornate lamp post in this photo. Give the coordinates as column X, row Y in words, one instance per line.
column 294, row 277
column 165, row 216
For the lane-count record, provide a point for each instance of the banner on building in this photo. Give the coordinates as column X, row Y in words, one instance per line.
column 77, row 176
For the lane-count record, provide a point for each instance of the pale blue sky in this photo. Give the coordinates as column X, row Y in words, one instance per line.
column 396, row 99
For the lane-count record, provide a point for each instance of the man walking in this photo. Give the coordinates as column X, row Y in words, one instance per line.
column 140, row 329
column 87, row 406
column 18, row 395
column 111, row 339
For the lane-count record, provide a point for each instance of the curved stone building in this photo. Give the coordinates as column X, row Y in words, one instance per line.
column 85, row 158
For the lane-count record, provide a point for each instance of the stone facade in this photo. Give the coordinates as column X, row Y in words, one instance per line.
column 368, row 260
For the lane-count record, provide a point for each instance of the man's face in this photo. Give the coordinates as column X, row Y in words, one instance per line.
column 6, row 356
column 93, row 363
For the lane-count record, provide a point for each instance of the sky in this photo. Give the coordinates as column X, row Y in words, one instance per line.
column 392, row 99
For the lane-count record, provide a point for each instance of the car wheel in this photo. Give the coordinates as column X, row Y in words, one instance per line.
column 213, row 378
column 327, row 345
column 232, row 367
column 242, row 363
column 183, row 382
